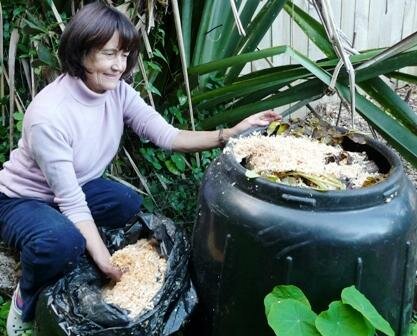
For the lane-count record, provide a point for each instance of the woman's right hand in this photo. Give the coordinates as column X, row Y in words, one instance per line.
column 98, row 250
column 112, row 272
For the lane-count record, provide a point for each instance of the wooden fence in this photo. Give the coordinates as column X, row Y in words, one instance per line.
column 367, row 23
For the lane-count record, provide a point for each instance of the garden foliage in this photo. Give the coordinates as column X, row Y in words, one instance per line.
column 289, row 314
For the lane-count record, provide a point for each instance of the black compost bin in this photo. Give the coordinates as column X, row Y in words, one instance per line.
column 251, row 235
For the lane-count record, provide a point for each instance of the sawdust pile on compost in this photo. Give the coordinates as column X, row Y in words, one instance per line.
column 143, row 275
column 305, row 162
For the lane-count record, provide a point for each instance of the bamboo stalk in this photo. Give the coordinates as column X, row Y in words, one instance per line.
column 177, row 19
column 127, row 184
column 26, row 70
column 151, row 15
column 3, row 111
column 145, row 78
column 17, row 99
column 32, row 77
column 139, row 174
column 57, row 16
column 14, row 39
column 145, row 38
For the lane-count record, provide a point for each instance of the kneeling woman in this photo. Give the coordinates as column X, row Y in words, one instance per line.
column 52, row 195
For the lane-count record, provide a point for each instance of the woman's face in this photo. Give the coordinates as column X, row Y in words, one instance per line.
column 105, row 66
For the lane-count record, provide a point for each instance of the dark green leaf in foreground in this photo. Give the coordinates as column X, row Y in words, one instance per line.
column 402, row 76
column 342, row 320
column 292, row 318
column 172, row 167
column 45, row 55
column 351, row 296
column 284, row 292
column 178, row 160
column 4, row 310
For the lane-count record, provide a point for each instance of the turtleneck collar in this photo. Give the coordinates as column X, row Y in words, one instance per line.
column 82, row 93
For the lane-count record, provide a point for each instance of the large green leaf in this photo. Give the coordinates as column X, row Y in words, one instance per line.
column 312, row 28
column 402, row 76
column 210, row 30
column 342, row 320
column 231, row 38
column 255, row 32
column 228, row 28
column 307, row 91
column 260, row 54
column 351, row 296
column 261, row 83
column 283, row 292
column 405, row 44
column 242, row 88
column 235, row 60
column 259, row 95
column 186, row 25
column 386, row 66
column 292, row 318
column 279, row 99
column 390, row 102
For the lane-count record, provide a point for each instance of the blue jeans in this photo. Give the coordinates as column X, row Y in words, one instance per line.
column 49, row 243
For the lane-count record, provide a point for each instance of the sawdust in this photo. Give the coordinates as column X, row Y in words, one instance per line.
column 271, row 155
column 143, row 276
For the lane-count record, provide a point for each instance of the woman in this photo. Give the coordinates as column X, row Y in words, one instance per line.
column 52, row 196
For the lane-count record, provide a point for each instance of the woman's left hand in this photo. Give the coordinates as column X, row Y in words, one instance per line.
column 258, row 119
column 194, row 141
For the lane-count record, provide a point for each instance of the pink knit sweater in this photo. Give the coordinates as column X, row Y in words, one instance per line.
column 70, row 134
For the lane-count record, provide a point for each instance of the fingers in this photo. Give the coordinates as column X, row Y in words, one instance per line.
column 270, row 115
column 265, row 118
column 114, row 273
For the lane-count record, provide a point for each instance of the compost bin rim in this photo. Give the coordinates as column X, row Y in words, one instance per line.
column 262, row 188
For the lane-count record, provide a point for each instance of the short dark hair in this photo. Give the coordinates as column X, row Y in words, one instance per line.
column 90, row 29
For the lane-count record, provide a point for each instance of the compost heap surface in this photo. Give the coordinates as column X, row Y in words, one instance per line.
column 301, row 160
column 143, row 276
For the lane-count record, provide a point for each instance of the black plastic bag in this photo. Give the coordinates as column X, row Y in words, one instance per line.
column 74, row 306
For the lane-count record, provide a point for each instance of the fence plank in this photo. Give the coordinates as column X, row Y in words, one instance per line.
column 375, row 29
column 361, row 24
column 409, row 10
column 348, row 18
column 336, row 6
column 278, row 38
column 396, row 16
column 313, row 51
column 300, row 40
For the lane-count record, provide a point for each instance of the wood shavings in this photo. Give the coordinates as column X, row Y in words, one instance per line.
column 271, row 156
column 143, row 276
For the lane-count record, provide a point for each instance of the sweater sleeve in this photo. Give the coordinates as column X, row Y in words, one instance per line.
column 54, row 156
column 145, row 121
